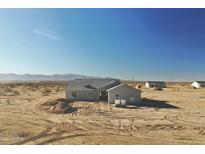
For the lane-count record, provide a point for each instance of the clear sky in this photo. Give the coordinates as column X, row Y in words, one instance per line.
column 148, row 44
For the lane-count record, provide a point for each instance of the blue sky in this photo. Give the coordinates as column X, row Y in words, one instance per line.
column 148, row 44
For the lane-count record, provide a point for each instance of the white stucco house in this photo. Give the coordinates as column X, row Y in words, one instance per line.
column 107, row 90
column 155, row 84
column 198, row 84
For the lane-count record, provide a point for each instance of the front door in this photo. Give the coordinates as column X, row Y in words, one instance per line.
column 103, row 95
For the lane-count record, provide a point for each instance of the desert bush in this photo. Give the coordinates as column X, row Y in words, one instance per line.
column 23, row 134
column 12, row 85
column 16, row 92
column 7, row 89
column 33, row 89
column 8, row 102
column 175, row 89
column 47, row 90
column 57, row 89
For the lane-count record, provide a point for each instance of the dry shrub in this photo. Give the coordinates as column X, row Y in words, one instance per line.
column 57, row 89
column 31, row 88
column 23, row 134
column 46, row 91
column 16, row 92
column 8, row 102
column 7, row 89
column 12, row 86
column 175, row 89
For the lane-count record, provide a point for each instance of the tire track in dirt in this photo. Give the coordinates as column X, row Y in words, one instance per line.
column 57, row 138
column 178, row 120
column 33, row 138
column 53, row 132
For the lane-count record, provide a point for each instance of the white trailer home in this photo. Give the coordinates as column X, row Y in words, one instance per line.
column 198, row 84
column 155, row 84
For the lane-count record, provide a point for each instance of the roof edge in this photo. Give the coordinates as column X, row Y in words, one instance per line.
column 122, row 85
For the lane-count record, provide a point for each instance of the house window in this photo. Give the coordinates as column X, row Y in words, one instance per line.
column 73, row 94
column 90, row 94
column 117, row 96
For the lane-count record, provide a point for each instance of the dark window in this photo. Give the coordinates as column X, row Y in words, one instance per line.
column 90, row 94
column 117, row 96
column 73, row 94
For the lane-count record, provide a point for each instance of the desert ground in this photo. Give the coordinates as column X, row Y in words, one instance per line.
column 172, row 116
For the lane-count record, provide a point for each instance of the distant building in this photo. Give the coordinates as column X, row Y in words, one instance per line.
column 198, row 84
column 155, row 84
column 102, row 90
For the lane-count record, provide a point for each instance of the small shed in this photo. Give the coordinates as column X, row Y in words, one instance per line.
column 124, row 92
column 155, row 84
column 198, row 84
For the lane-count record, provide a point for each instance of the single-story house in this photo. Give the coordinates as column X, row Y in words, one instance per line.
column 101, row 90
column 89, row 89
column 131, row 95
column 198, row 84
column 155, row 84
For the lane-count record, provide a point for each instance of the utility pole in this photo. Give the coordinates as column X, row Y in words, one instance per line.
column 171, row 78
column 132, row 80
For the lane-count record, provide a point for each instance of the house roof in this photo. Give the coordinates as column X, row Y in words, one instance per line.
column 123, row 84
column 90, row 84
column 201, row 82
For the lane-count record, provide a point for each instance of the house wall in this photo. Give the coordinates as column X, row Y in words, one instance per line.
column 107, row 87
column 124, row 92
column 81, row 95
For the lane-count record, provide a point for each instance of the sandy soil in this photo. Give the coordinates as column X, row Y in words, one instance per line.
column 172, row 116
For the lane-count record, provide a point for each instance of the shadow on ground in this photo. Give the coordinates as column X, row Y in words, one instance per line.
column 154, row 104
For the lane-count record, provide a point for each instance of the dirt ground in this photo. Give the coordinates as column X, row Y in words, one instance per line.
column 172, row 116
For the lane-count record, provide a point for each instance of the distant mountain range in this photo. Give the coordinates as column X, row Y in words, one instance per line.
column 42, row 77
